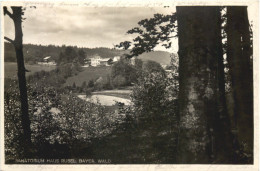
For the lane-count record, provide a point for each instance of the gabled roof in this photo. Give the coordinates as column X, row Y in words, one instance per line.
column 95, row 58
column 47, row 57
column 104, row 59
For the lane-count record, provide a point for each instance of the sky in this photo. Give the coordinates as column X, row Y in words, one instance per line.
column 82, row 26
column 85, row 26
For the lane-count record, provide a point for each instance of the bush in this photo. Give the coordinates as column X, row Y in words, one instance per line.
column 149, row 95
column 91, row 83
column 123, row 68
column 98, row 85
column 153, row 93
column 89, row 92
column 56, row 118
column 153, row 67
column 119, row 81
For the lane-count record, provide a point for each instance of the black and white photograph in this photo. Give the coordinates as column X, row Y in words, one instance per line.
column 105, row 85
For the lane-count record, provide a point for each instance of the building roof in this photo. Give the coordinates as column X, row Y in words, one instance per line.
column 104, row 59
column 116, row 58
column 47, row 57
column 95, row 58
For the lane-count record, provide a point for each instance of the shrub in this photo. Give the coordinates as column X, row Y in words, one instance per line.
column 89, row 92
column 123, row 68
column 153, row 93
column 91, row 83
column 148, row 95
column 56, row 118
column 119, row 81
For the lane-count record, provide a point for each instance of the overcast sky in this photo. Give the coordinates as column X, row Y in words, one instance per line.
column 84, row 26
column 81, row 26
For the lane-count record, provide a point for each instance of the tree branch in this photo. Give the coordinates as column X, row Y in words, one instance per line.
column 9, row 40
column 8, row 12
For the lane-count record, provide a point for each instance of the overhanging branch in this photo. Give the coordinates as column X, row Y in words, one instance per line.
column 9, row 40
column 8, row 12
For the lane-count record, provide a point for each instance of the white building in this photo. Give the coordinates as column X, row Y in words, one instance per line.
column 98, row 61
column 132, row 60
column 95, row 61
column 47, row 61
column 104, row 62
column 116, row 58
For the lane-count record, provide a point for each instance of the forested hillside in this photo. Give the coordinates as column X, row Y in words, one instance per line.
column 34, row 53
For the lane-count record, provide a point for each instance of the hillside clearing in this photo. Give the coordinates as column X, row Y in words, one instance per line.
column 10, row 69
column 88, row 74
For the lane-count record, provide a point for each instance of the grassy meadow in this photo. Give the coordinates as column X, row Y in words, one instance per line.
column 88, row 73
column 10, row 69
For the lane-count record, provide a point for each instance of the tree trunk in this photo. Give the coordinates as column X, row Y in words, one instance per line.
column 238, row 56
column 224, row 138
column 200, row 69
column 18, row 44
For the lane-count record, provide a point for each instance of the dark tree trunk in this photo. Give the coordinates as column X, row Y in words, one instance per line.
column 18, row 44
column 238, row 57
column 201, row 86
column 222, row 124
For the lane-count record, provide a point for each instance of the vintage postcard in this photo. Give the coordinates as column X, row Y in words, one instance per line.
column 129, row 85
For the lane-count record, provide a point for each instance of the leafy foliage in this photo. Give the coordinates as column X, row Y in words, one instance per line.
column 173, row 77
column 123, row 70
column 56, row 119
column 119, row 81
column 150, row 93
column 13, row 128
column 151, row 32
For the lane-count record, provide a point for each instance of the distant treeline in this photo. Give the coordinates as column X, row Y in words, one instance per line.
column 34, row 53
